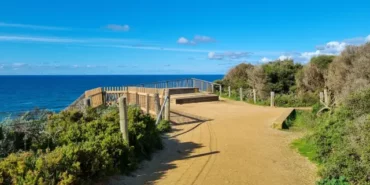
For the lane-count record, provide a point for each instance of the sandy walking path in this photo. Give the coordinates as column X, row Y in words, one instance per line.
column 225, row 142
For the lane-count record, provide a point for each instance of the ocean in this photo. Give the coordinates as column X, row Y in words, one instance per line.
column 22, row 93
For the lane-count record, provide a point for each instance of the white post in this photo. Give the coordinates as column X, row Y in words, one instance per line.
column 254, row 96
column 272, row 103
column 220, row 90
column 241, row 94
column 167, row 106
column 123, row 121
column 326, row 97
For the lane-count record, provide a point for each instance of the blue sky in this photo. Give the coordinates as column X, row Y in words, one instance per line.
column 171, row 37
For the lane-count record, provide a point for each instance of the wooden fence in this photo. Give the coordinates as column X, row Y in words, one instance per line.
column 143, row 97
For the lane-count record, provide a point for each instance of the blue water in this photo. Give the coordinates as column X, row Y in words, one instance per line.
column 22, row 93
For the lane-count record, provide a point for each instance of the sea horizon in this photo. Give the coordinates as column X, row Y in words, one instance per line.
column 21, row 93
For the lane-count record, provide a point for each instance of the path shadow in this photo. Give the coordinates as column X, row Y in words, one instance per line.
column 164, row 160
column 180, row 118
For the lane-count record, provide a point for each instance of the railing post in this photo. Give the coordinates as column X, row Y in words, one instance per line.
column 272, row 103
column 213, row 88
column 326, row 97
column 147, row 104
column 123, row 120
column 254, row 96
column 220, row 90
column 229, row 88
column 167, row 106
column 157, row 104
column 241, row 94
column 166, row 84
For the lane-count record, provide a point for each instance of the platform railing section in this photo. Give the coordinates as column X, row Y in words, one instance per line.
column 143, row 95
column 202, row 85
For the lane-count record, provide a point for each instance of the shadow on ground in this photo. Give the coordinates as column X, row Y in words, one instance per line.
column 162, row 161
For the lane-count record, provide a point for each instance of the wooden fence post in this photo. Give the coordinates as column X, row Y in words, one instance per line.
column 137, row 98
column 241, row 94
column 254, row 96
column 326, row 97
column 229, row 89
column 123, row 120
column 272, row 103
column 321, row 97
column 147, row 104
column 167, row 111
column 157, row 104
column 213, row 88
column 220, row 90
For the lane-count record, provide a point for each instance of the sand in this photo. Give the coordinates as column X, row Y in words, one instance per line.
column 225, row 142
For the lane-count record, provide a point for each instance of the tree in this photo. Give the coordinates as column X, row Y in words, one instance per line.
column 313, row 75
column 238, row 76
column 281, row 75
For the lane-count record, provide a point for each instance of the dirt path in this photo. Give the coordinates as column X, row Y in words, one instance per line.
column 225, row 142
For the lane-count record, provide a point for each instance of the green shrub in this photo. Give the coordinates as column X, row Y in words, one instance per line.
column 83, row 147
column 164, row 126
column 341, row 181
column 339, row 141
column 291, row 100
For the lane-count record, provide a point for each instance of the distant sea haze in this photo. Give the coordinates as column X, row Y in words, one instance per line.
column 22, row 93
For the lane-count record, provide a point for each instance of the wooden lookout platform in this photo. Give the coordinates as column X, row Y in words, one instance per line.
column 144, row 95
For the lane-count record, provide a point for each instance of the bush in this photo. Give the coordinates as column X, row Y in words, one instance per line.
column 290, row 100
column 83, row 147
column 340, row 181
column 341, row 141
column 164, row 126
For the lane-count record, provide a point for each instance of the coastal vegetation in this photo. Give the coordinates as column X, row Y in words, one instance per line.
column 338, row 139
column 73, row 147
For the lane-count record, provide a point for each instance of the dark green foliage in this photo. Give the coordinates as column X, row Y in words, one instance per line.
column 164, row 126
column 322, row 61
column 281, row 75
column 82, row 147
column 341, row 181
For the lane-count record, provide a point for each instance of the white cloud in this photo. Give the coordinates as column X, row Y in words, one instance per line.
column 18, row 64
column 183, row 40
column 38, row 39
column 214, row 56
column 265, row 60
column 196, row 40
column 334, row 47
column 205, row 39
column 28, row 26
column 116, row 27
column 368, row 38
column 284, row 57
column 227, row 55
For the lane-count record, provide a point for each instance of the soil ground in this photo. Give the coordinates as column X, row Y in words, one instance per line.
column 224, row 142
